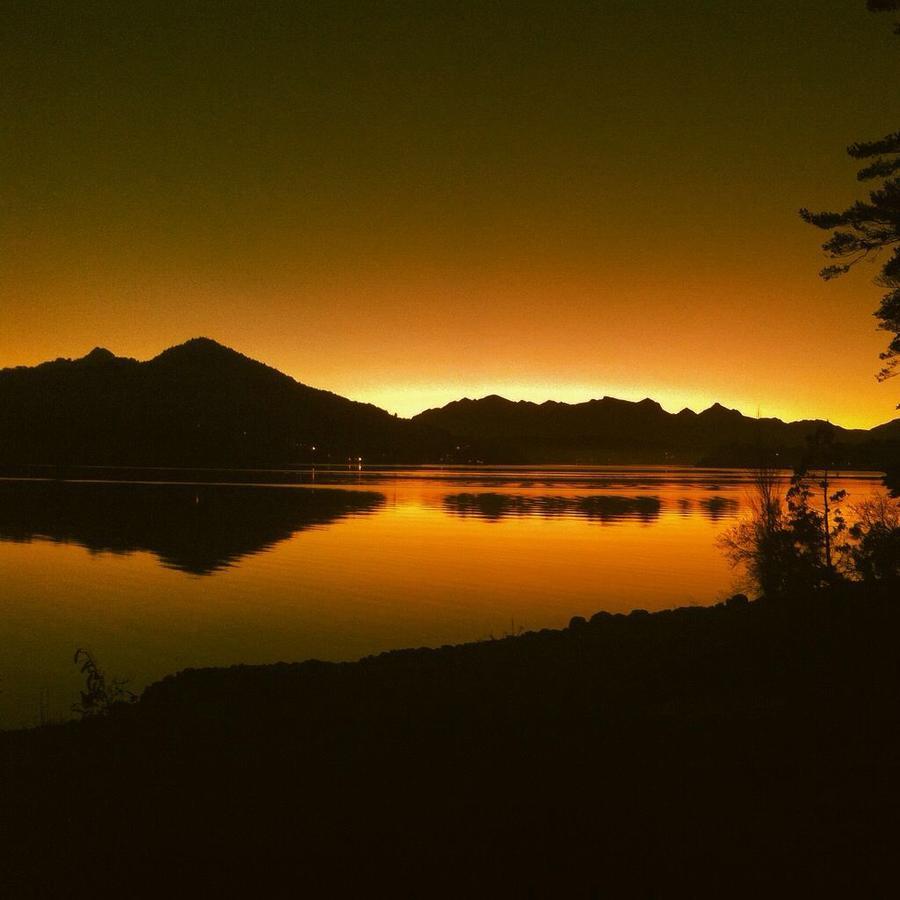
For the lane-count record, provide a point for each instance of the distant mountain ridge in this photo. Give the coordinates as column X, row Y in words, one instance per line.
column 611, row 430
column 202, row 404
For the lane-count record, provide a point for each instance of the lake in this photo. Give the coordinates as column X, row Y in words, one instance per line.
column 183, row 569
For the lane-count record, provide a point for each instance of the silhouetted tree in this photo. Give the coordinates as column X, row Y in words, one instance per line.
column 799, row 541
column 813, row 532
column 760, row 542
column 785, row 543
column 871, row 227
column 830, row 523
column 875, row 553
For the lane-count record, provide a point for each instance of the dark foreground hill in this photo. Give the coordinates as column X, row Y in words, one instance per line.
column 744, row 750
column 195, row 404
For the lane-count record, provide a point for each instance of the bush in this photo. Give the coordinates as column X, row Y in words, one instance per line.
column 99, row 696
column 875, row 553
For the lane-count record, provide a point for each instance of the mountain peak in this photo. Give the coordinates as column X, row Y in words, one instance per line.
column 98, row 355
column 205, row 342
column 202, row 357
column 200, row 350
column 196, row 346
column 718, row 410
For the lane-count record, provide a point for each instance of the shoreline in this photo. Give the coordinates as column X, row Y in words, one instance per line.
column 619, row 753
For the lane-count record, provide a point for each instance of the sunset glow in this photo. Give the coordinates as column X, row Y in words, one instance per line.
column 402, row 209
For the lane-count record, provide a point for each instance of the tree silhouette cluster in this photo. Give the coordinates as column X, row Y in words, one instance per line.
column 871, row 228
column 800, row 541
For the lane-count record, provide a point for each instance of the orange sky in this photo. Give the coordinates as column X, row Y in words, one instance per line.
column 491, row 199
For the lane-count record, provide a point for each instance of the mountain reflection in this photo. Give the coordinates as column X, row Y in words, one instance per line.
column 601, row 508
column 198, row 529
column 716, row 508
column 605, row 508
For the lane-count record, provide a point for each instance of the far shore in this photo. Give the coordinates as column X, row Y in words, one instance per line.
column 299, row 472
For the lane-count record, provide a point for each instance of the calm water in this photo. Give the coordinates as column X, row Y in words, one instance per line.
column 155, row 576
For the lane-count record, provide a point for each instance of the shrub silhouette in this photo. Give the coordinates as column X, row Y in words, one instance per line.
column 99, row 696
column 787, row 545
column 875, row 553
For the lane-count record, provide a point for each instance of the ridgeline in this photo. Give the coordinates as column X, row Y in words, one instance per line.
column 202, row 404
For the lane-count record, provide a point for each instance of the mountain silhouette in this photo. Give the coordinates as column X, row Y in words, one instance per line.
column 202, row 404
column 620, row 431
column 195, row 528
column 198, row 403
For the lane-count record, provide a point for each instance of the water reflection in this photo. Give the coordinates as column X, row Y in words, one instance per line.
column 604, row 508
column 717, row 508
column 597, row 507
column 199, row 529
column 378, row 560
column 600, row 479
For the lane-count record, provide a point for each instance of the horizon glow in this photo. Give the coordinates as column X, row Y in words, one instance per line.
column 408, row 400
column 408, row 208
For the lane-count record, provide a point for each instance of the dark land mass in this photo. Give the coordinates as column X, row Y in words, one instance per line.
column 202, row 404
column 611, row 431
column 195, row 404
column 748, row 749
column 196, row 528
